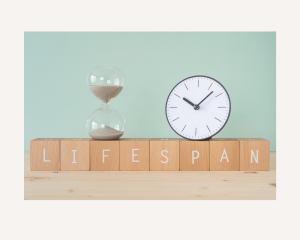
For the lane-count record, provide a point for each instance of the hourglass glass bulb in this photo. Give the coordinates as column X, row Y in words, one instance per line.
column 105, row 83
column 106, row 124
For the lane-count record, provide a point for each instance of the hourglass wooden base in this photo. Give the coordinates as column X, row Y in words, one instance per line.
column 133, row 154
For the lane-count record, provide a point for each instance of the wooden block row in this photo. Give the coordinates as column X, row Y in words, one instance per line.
column 155, row 154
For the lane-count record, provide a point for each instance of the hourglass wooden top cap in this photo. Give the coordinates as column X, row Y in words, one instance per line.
column 105, row 83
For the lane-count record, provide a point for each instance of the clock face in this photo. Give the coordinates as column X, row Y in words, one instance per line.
column 198, row 108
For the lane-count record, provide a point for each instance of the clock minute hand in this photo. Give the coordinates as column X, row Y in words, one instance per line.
column 188, row 101
column 205, row 98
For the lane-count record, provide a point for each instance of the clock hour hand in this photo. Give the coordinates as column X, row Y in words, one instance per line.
column 188, row 101
column 205, row 98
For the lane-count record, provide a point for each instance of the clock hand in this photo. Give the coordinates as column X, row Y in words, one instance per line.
column 188, row 101
column 205, row 98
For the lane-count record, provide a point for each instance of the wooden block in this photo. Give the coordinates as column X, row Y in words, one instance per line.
column 164, row 154
column 194, row 155
column 224, row 154
column 254, row 154
column 134, row 154
column 45, row 154
column 75, row 154
column 105, row 155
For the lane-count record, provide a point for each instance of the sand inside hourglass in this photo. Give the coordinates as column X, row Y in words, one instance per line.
column 106, row 133
column 105, row 93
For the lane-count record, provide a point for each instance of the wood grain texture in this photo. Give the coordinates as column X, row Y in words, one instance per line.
column 201, row 163
column 218, row 162
column 160, row 147
column 51, row 148
column 150, row 185
column 140, row 162
column 257, row 146
column 105, row 160
column 78, row 147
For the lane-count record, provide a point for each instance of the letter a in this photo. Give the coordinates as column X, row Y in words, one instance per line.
column 224, row 153
column 253, row 155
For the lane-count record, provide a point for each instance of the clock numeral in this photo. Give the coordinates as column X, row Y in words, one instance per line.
column 218, row 119
column 173, row 107
column 175, row 119
column 221, row 107
column 208, row 128
column 195, row 131
column 176, row 95
column 186, row 87
column 210, row 86
column 219, row 95
column 183, row 128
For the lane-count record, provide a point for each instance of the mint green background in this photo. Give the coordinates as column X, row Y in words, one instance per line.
column 58, row 102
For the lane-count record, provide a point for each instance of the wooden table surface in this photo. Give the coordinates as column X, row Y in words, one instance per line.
column 149, row 185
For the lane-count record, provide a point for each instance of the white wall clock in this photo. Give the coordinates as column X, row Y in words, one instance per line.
column 198, row 108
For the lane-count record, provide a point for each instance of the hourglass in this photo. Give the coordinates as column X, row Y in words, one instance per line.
column 105, row 123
